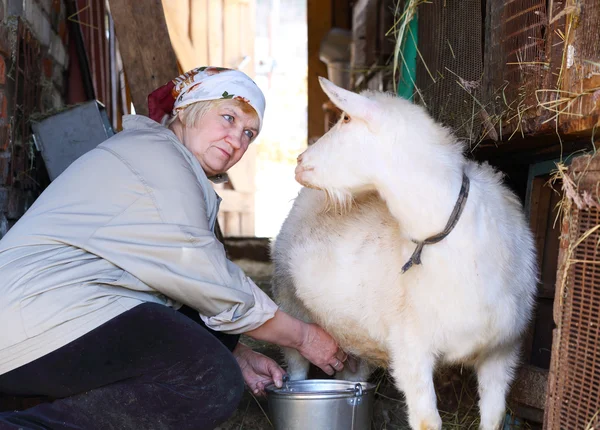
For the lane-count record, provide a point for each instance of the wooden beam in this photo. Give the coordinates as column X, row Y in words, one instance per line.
column 177, row 16
column 148, row 57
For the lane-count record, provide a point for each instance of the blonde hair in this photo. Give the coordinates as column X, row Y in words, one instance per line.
column 191, row 114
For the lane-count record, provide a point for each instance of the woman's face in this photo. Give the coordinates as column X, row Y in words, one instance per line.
column 220, row 138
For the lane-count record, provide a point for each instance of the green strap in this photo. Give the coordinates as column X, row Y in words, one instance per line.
column 408, row 71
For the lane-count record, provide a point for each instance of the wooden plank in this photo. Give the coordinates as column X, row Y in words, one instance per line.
column 215, row 32
column 199, row 30
column 148, row 57
column 551, row 246
column 319, row 17
column 529, row 387
column 540, row 207
column 232, row 31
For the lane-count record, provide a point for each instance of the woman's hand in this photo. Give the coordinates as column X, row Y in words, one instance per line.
column 258, row 370
column 314, row 343
column 322, row 350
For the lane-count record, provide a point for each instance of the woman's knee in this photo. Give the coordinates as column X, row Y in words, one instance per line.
column 208, row 392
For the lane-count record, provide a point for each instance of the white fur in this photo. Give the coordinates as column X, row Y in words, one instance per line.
column 470, row 300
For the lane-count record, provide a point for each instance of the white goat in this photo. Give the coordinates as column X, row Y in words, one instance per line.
column 390, row 177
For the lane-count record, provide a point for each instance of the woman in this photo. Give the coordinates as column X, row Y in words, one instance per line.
column 116, row 299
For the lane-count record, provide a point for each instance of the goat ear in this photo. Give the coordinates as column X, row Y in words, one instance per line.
column 352, row 103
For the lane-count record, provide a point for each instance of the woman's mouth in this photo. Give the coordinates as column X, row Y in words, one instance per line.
column 225, row 153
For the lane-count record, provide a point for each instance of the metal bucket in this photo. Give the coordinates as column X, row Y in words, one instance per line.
column 321, row 404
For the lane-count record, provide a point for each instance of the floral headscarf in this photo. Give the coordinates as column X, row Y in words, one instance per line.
column 201, row 84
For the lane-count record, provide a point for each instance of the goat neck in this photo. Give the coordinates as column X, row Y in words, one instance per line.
column 422, row 196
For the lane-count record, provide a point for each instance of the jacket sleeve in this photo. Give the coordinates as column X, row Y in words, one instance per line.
column 184, row 262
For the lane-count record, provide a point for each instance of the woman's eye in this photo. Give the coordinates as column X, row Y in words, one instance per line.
column 228, row 118
column 249, row 133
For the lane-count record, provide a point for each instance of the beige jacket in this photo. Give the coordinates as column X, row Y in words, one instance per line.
column 129, row 222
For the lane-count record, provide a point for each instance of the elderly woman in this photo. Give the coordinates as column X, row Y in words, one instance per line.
column 117, row 301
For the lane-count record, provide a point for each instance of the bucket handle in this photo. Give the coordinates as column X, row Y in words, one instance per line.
column 357, row 390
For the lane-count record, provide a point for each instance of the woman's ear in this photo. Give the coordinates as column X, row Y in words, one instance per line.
column 180, row 117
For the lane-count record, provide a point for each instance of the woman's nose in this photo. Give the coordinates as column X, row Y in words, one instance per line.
column 235, row 140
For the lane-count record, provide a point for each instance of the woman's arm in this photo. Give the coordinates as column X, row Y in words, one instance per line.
column 316, row 345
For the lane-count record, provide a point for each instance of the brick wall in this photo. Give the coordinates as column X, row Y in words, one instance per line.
column 33, row 63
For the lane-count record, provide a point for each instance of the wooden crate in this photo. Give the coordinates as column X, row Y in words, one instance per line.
column 515, row 67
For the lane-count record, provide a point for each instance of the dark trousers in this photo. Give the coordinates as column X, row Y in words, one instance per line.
column 149, row 368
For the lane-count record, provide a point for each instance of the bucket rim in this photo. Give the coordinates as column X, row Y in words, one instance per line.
column 347, row 392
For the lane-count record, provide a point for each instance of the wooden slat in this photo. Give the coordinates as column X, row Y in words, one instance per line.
column 148, row 57
column 199, row 31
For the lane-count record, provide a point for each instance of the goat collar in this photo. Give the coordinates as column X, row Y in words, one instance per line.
column 454, row 217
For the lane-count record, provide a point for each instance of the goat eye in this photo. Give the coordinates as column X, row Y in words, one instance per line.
column 346, row 118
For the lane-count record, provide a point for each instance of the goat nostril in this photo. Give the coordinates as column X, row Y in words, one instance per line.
column 299, row 159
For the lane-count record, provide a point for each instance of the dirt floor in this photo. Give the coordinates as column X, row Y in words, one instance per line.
column 455, row 387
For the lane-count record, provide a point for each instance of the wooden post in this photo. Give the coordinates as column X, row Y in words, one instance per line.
column 148, row 57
